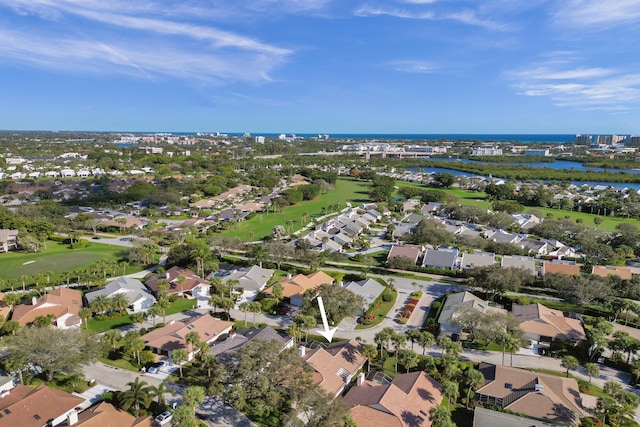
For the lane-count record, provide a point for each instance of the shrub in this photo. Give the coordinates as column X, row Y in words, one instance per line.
column 436, row 305
column 402, row 320
column 583, row 385
column 387, row 297
column 414, row 301
column 173, row 298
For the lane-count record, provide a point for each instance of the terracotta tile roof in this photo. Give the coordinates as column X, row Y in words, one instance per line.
column 336, row 364
column 58, row 302
column 104, row 414
column 540, row 320
column 407, row 251
column 531, row 393
column 33, row 407
column 561, row 268
column 606, row 270
column 171, row 275
column 406, row 401
column 300, row 283
column 172, row 336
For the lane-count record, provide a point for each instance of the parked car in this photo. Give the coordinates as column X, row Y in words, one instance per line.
column 164, row 418
column 155, row 367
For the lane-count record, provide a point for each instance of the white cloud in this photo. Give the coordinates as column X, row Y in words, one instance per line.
column 581, row 88
column 149, row 44
column 410, row 66
column 604, row 13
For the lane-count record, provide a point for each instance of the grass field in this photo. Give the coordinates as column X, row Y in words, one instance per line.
column 57, row 258
column 347, row 190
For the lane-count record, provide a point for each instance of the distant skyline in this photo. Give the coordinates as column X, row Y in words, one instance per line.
column 321, row 66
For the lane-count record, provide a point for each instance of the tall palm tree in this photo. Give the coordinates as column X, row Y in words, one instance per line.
column 398, row 340
column 139, row 394
column 369, row 351
column 255, row 307
column 181, row 280
column 450, row 391
column 119, row 302
column 192, row 338
column 84, row 314
column 260, row 253
column 244, row 306
column 158, row 393
column 112, row 337
column 178, row 356
column 441, row 416
column 475, row 380
column 425, row 340
column 163, row 305
column 100, row 304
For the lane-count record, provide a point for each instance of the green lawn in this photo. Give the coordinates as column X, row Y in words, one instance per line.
column 473, row 198
column 347, row 190
column 382, row 312
column 57, row 258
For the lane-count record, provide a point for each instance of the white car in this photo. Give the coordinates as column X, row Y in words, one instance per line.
column 164, row 418
column 155, row 368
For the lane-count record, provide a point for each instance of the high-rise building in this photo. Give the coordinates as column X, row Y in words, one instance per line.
column 584, row 139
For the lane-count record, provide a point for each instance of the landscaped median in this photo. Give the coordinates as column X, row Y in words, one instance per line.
column 379, row 309
column 409, row 307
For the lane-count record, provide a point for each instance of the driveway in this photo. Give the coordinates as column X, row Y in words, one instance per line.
column 215, row 413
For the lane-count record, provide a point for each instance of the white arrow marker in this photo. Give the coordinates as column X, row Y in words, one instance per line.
column 327, row 333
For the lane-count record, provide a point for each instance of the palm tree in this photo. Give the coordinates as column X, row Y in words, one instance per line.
column 192, row 338
column 100, row 304
column 123, row 265
column 12, row 299
column 23, row 279
column 255, row 307
column 409, row 359
column 412, row 335
column 295, row 331
column 475, row 380
column 11, row 327
column 163, row 304
column 137, row 318
column 592, row 370
column 569, row 362
column 392, row 284
column 181, row 280
column 260, row 254
column 398, row 340
column 441, row 416
column 84, row 314
column 227, row 304
column 158, row 393
column 178, row 356
column 209, row 362
column 244, row 306
column 369, row 351
column 137, row 395
column 112, row 337
column 425, row 340
column 450, row 391
column 154, row 311
column 119, row 302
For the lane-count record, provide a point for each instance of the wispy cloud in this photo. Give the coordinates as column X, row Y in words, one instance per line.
column 581, row 88
column 410, row 66
column 149, row 44
column 416, row 11
column 603, row 13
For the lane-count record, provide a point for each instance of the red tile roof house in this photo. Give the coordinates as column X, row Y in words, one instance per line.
column 334, row 364
column 106, row 415
column 63, row 303
column 171, row 276
column 544, row 324
column 36, row 407
column 530, row 393
column 411, row 252
column 403, row 402
column 171, row 337
column 295, row 286
column 570, row 269
column 610, row 270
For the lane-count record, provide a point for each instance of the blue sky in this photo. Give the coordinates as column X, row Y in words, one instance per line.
column 329, row 66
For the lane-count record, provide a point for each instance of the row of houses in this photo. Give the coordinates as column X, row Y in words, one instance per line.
column 71, row 173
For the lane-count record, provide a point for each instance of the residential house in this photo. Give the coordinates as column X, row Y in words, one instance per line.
column 225, row 349
column 483, row 417
column 295, row 286
column 167, row 339
column 180, row 280
column 526, row 221
column 368, row 289
column 477, row 259
column 607, row 270
column 139, row 297
column 334, row 364
column 535, row 247
column 404, row 401
column 413, row 219
column 543, row 324
column 7, row 382
column 106, row 415
column 515, row 261
column 442, row 258
column 63, row 303
column 530, row 393
column 557, row 267
column 250, row 281
column 8, row 240
column 24, row 406
column 411, row 252
column 125, row 222
column 501, row 236
column 457, row 302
